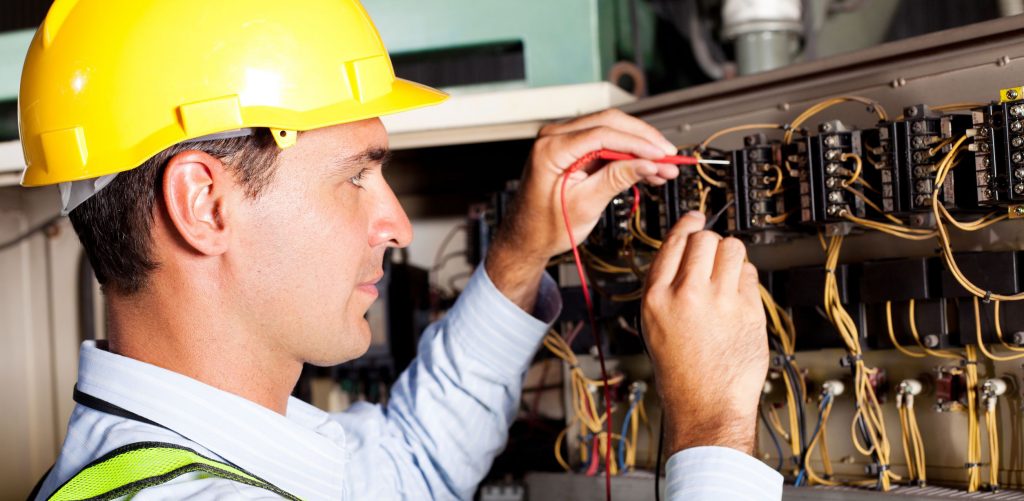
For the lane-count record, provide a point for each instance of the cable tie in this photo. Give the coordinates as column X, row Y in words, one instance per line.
column 988, row 297
column 968, row 362
column 849, row 360
column 970, row 466
column 882, row 467
column 830, row 270
column 786, row 127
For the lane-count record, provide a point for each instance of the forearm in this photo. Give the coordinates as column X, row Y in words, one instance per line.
column 515, row 271
column 454, row 404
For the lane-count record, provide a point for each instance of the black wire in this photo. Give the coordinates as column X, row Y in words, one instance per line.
column 657, row 460
column 799, row 397
column 771, row 432
column 28, row 234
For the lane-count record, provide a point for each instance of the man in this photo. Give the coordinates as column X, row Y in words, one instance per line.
column 221, row 163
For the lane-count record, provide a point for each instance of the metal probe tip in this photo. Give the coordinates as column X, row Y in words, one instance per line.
column 715, row 162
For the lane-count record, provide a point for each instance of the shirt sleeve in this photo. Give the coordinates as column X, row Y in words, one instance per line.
column 449, row 413
column 716, row 473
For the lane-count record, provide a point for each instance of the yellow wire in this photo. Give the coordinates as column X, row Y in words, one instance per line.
column 947, row 252
column 558, row 450
column 778, row 181
column 896, row 231
column 869, row 410
column 999, row 331
column 704, row 144
column 942, row 144
column 973, row 432
column 874, row 206
column 856, row 172
column 981, row 343
column 917, row 338
column 819, row 107
column 955, row 107
column 892, row 334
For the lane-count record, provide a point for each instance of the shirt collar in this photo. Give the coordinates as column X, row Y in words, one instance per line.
column 302, row 453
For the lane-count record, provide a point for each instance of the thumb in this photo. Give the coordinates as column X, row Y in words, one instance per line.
column 614, row 178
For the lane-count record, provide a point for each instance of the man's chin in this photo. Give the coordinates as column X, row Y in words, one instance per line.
column 354, row 344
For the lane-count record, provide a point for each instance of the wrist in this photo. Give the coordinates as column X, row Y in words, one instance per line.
column 516, row 273
column 717, row 426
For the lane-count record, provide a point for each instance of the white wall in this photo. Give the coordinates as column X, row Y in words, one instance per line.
column 39, row 338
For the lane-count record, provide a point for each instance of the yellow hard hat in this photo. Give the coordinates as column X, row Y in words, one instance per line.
column 108, row 84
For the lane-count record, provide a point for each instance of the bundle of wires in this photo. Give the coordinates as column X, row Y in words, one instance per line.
column 913, row 445
column 940, row 213
column 868, row 419
column 970, row 373
column 631, row 425
column 807, row 474
column 590, row 421
column 783, row 340
column 993, row 440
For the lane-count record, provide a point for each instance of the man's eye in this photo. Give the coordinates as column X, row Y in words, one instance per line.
column 358, row 178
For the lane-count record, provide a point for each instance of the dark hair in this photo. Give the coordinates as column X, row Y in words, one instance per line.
column 114, row 225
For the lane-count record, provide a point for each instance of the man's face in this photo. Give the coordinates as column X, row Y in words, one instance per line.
column 312, row 244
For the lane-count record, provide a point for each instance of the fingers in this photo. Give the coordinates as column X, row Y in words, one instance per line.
column 618, row 120
column 669, row 258
column 729, row 263
column 584, row 141
column 749, row 286
column 699, row 258
column 617, row 177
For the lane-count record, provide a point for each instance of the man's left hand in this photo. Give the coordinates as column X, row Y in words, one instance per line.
column 535, row 232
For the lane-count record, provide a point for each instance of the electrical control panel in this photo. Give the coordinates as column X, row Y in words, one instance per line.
column 882, row 215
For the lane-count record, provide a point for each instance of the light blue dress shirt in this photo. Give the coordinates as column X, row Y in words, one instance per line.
column 446, row 420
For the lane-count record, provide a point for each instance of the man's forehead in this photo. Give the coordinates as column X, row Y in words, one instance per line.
column 348, row 145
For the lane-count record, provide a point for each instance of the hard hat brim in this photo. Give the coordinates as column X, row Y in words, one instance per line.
column 403, row 96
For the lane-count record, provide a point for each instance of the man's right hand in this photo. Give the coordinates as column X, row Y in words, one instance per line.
column 704, row 325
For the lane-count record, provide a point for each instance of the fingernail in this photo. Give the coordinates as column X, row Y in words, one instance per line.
column 695, row 214
column 670, row 149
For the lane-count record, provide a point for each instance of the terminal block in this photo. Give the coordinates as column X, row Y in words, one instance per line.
column 822, row 164
column 683, row 194
column 999, row 150
column 613, row 227
column 906, row 158
column 759, row 187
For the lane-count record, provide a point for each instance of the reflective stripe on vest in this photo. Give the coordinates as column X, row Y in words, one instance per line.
column 127, row 470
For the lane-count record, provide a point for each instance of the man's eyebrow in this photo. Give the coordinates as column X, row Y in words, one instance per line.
column 373, row 154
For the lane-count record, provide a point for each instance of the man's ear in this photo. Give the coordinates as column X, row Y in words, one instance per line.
column 197, row 190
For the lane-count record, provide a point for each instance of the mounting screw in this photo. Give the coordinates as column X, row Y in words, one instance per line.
column 1003, row 61
column 899, row 82
column 783, row 106
column 931, row 341
column 825, row 127
column 1019, row 211
column 1012, row 94
column 910, row 112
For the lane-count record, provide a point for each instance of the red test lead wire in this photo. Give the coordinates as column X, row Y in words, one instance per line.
column 584, row 160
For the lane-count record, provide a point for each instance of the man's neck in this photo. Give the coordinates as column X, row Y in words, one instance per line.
column 170, row 329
